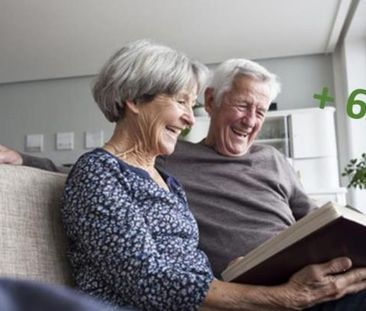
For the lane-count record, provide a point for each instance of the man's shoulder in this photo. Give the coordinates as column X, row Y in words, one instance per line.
column 185, row 152
column 185, row 146
column 183, row 149
column 267, row 154
column 265, row 149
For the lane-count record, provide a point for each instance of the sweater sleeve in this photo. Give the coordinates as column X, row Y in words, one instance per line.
column 300, row 203
column 115, row 249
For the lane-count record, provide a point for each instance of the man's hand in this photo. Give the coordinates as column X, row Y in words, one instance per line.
column 310, row 286
column 9, row 156
column 315, row 284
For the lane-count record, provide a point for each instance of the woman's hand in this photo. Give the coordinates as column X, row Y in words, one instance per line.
column 9, row 156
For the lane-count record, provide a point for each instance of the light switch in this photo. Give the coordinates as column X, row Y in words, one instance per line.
column 34, row 143
column 65, row 141
column 94, row 139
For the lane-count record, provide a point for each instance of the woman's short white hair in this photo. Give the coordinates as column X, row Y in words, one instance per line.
column 141, row 70
column 227, row 71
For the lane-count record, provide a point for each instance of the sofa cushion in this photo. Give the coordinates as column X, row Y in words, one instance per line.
column 32, row 241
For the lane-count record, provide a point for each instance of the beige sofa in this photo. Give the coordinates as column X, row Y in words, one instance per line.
column 32, row 240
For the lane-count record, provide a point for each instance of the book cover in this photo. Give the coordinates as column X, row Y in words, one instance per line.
column 329, row 232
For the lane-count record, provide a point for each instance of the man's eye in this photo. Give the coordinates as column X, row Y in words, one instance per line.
column 182, row 102
column 242, row 107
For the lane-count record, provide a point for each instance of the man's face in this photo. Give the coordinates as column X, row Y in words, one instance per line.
column 236, row 122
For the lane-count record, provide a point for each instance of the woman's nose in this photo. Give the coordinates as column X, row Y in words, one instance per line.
column 189, row 117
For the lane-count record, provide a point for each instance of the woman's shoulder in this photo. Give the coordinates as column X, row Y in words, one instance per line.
column 95, row 173
column 95, row 164
column 97, row 158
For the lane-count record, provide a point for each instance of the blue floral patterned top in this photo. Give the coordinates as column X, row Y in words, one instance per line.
column 132, row 242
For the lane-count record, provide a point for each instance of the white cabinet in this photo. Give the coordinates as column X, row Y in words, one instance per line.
column 335, row 195
column 307, row 137
column 275, row 133
column 309, row 141
column 313, row 133
column 317, row 173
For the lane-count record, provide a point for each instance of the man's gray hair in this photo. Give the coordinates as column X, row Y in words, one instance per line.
column 141, row 70
column 227, row 71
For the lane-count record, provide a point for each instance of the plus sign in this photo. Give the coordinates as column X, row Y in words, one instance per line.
column 323, row 97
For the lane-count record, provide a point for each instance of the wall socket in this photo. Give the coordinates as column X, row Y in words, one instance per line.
column 34, row 143
column 65, row 141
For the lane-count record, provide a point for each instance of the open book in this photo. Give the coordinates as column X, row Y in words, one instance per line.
column 329, row 232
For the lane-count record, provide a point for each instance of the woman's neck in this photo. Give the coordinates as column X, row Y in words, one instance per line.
column 130, row 152
column 127, row 146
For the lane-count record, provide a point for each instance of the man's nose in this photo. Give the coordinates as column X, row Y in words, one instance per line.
column 249, row 118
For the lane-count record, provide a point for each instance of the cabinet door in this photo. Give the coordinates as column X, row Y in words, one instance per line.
column 273, row 128
column 338, row 197
column 312, row 134
column 274, row 132
column 318, row 173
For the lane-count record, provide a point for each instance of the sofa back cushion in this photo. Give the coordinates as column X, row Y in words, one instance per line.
column 32, row 240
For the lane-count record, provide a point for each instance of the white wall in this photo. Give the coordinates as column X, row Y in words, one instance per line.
column 350, row 74
column 301, row 77
column 48, row 107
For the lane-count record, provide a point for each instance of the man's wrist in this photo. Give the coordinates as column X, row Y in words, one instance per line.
column 288, row 297
column 276, row 298
column 233, row 296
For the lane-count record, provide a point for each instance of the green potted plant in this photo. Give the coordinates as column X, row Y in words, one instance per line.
column 356, row 171
column 185, row 132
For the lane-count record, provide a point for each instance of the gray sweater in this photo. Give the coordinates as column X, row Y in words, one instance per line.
column 239, row 202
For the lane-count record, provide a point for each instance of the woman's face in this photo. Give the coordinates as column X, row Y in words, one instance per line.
column 164, row 119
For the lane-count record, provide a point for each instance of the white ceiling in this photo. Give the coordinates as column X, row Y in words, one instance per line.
column 43, row 39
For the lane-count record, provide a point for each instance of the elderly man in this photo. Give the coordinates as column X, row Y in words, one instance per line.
column 243, row 193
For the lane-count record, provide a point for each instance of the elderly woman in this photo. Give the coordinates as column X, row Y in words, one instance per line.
column 133, row 240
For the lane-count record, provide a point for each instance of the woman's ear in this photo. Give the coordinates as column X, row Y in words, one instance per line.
column 209, row 100
column 132, row 106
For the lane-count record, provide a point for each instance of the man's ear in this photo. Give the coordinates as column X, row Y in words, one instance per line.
column 132, row 106
column 209, row 100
